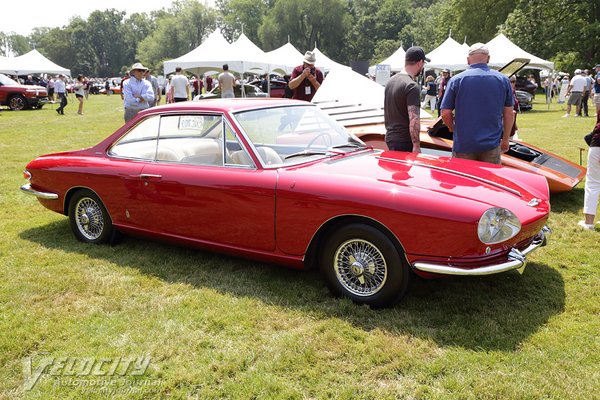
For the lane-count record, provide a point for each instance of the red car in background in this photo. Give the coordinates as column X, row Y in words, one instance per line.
column 280, row 181
column 277, row 87
column 19, row 97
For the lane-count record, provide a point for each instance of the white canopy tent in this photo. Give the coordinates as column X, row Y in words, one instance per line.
column 324, row 63
column 502, row 51
column 287, row 56
column 395, row 61
column 31, row 63
column 449, row 55
column 241, row 56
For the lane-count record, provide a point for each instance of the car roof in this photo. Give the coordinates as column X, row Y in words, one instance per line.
column 229, row 105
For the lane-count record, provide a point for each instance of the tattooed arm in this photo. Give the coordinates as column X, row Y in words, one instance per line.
column 415, row 127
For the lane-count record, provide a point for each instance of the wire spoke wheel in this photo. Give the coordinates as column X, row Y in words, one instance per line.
column 89, row 218
column 360, row 267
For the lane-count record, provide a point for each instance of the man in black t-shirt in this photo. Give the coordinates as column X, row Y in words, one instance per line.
column 402, row 104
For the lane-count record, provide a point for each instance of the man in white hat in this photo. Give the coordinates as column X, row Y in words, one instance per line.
column 137, row 92
column 478, row 108
column 306, row 79
column 575, row 93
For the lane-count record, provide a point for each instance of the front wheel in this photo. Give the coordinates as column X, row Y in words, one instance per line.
column 360, row 262
column 17, row 103
column 89, row 219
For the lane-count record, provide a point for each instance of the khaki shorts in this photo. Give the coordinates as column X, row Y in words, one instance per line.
column 597, row 99
column 575, row 98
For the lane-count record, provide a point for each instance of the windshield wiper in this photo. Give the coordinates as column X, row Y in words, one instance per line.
column 348, row 144
column 306, row 153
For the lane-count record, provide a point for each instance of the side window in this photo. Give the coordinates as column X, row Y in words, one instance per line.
column 140, row 142
column 191, row 139
column 236, row 154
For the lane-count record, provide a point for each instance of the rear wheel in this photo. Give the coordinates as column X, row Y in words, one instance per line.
column 17, row 102
column 89, row 219
column 360, row 262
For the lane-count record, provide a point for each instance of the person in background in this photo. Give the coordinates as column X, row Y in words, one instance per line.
column 592, row 181
column 180, row 85
column 86, row 87
column 50, row 87
column 306, row 79
column 443, row 84
column 79, row 92
column 431, row 95
column 127, row 76
column 597, row 89
column 586, row 93
column 60, row 88
column 226, row 83
column 169, row 90
column 478, row 108
column 209, row 83
column 575, row 93
column 401, row 111
column 137, row 92
column 564, row 86
column 155, row 87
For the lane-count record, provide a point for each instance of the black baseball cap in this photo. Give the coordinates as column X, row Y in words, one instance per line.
column 414, row 54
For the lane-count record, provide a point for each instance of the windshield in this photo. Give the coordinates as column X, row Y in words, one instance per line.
column 5, row 80
column 296, row 133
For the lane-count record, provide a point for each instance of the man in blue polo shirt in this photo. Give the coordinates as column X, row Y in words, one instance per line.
column 478, row 108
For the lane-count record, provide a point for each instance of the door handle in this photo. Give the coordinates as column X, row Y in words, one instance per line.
column 150, row 176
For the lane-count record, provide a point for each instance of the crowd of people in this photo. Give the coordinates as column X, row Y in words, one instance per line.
column 478, row 106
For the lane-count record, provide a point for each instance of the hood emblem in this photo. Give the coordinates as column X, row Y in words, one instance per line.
column 534, row 202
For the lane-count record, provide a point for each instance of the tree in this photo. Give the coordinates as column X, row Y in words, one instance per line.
column 180, row 30
column 241, row 15
column 565, row 31
column 375, row 31
column 323, row 23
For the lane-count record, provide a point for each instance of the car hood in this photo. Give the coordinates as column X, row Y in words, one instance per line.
column 432, row 176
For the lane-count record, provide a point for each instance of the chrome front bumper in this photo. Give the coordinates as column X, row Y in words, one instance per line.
column 516, row 260
column 42, row 195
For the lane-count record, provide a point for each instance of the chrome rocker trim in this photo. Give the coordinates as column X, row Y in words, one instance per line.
column 516, row 260
column 42, row 195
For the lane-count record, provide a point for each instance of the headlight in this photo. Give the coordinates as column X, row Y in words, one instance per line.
column 497, row 225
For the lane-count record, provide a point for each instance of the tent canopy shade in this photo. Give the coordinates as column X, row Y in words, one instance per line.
column 503, row 51
column 31, row 63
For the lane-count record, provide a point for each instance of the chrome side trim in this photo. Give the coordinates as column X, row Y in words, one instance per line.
column 477, row 178
column 516, row 260
column 42, row 195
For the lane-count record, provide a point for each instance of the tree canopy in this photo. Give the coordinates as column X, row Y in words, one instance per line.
column 107, row 42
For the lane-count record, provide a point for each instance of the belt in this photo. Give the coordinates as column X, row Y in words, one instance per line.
column 576, row 92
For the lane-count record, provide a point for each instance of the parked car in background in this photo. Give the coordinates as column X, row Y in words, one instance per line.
column 525, row 100
column 250, row 91
column 277, row 87
column 525, row 85
column 279, row 181
column 19, row 97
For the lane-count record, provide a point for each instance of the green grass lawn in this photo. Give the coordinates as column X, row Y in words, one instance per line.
column 216, row 327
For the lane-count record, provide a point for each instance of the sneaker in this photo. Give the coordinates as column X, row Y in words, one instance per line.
column 566, row 116
column 589, row 227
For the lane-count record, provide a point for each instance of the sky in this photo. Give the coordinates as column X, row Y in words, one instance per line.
column 57, row 13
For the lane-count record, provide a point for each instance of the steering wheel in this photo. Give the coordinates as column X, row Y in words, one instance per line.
column 322, row 134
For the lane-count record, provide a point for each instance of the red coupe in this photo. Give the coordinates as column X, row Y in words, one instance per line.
column 280, row 181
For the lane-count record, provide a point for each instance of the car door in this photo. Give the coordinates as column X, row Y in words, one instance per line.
column 195, row 189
